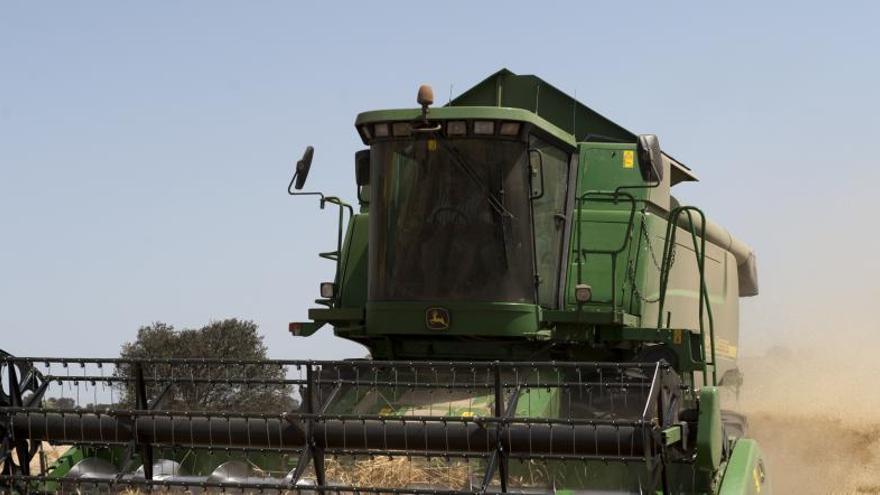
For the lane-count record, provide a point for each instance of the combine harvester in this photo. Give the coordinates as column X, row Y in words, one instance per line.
column 542, row 316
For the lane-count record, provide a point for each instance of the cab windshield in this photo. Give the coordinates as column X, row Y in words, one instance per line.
column 450, row 220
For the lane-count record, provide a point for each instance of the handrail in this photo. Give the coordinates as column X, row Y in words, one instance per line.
column 334, row 256
column 337, row 279
column 666, row 268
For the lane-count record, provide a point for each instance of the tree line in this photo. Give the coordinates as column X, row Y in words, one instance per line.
column 224, row 339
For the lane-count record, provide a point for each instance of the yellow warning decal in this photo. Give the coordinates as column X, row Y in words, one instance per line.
column 677, row 336
column 757, row 478
column 432, row 145
column 628, row 158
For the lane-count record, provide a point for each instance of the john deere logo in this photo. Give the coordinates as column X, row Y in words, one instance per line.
column 437, row 318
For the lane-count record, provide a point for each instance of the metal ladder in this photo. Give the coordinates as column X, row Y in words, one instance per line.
column 666, row 267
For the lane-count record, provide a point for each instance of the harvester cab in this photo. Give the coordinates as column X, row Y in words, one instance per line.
column 542, row 315
column 539, row 228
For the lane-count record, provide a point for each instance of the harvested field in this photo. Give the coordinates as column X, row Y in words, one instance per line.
column 816, row 414
column 51, row 454
column 819, row 455
column 398, row 472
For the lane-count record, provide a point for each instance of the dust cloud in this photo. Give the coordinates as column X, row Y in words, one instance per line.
column 815, row 410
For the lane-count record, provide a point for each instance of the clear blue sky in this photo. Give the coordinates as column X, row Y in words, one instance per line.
column 145, row 147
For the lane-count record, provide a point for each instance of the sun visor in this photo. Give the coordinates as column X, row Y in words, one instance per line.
column 679, row 172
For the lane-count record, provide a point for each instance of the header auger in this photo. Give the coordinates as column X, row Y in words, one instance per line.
column 542, row 316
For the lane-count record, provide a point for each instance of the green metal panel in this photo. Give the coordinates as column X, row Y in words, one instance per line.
column 602, row 229
column 62, row 466
column 538, row 403
column 337, row 315
column 465, row 319
column 710, row 435
column 353, row 290
column 605, row 166
column 745, row 474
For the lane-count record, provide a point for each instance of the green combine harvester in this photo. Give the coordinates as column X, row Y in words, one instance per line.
column 542, row 316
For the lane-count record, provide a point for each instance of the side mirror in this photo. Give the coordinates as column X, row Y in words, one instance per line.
column 650, row 158
column 302, row 168
column 362, row 167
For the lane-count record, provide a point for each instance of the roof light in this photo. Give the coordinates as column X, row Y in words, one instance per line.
column 510, row 128
column 484, row 127
column 381, row 130
column 401, row 129
column 456, row 128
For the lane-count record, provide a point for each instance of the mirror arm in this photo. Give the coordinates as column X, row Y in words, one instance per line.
column 291, row 188
column 294, row 193
column 360, row 197
column 334, row 200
